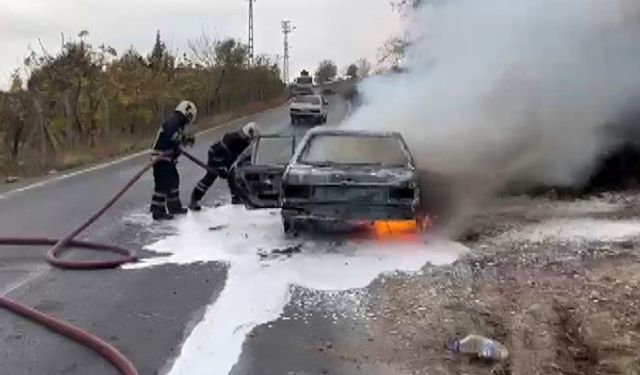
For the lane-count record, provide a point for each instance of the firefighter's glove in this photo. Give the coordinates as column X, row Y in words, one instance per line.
column 223, row 172
column 189, row 140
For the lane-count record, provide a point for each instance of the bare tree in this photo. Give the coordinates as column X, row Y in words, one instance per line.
column 392, row 52
column 364, row 67
column 202, row 50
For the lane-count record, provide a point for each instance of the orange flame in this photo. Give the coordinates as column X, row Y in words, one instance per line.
column 386, row 229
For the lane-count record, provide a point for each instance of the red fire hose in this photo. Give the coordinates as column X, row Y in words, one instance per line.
column 110, row 353
column 107, row 351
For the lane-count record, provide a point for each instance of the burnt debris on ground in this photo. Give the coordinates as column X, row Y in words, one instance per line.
column 283, row 252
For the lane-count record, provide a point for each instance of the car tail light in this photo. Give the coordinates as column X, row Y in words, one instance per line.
column 297, row 191
column 402, row 193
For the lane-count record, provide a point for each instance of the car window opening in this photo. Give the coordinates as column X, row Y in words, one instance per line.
column 353, row 150
column 308, row 99
column 274, row 151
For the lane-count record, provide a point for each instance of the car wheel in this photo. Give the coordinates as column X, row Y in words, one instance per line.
column 289, row 227
column 424, row 222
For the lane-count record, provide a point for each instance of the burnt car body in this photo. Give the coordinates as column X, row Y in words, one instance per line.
column 338, row 176
column 257, row 174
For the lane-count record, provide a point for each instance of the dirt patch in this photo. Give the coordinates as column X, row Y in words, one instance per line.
column 561, row 307
column 554, row 318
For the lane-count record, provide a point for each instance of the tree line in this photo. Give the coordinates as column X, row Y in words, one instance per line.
column 328, row 70
column 87, row 97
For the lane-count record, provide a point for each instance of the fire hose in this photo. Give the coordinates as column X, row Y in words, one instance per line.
column 53, row 257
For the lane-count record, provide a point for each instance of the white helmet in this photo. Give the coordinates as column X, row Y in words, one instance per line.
column 188, row 109
column 251, row 130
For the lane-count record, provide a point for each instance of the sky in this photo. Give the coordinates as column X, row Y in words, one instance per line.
column 335, row 29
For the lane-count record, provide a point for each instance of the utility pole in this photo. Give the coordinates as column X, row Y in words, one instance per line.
column 286, row 30
column 251, row 32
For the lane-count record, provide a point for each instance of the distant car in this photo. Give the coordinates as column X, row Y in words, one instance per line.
column 338, row 176
column 309, row 107
column 328, row 91
column 301, row 91
column 257, row 174
column 304, row 80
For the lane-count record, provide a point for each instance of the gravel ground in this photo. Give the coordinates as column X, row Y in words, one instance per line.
column 557, row 282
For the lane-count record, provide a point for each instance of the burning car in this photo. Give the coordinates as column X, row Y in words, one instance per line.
column 335, row 177
column 338, row 176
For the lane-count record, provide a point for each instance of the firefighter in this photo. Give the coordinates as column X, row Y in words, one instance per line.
column 171, row 135
column 221, row 157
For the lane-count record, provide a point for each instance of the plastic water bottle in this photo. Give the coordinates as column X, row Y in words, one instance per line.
column 480, row 347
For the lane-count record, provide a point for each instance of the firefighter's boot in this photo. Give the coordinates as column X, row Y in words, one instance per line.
column 174, row 204
column 235, row 199
column 195, row 206
column 196, row 195
column 160, row 214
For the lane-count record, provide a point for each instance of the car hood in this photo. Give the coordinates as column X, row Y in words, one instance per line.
column 349, row 175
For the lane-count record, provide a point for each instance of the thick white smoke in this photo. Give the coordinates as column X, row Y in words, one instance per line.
column 499, row 91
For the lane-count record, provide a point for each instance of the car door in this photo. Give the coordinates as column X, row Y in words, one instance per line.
column 257, row 175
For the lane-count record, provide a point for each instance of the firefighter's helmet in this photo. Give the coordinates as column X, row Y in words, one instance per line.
column 251, row 130
column 188, row 109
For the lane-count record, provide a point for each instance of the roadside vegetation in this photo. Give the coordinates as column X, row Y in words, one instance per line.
column 87, row 102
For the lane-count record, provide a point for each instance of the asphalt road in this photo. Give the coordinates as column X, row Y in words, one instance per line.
column 146, row 313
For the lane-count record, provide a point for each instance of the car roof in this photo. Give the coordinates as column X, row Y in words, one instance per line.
column 364, row 133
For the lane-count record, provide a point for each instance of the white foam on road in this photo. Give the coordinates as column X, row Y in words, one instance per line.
column 257, row 289
column 584, row 229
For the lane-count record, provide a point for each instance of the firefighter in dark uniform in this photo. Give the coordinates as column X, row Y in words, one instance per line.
column 222, row 155
column 171, row 135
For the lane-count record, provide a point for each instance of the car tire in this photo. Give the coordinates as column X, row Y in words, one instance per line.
column 289, row 227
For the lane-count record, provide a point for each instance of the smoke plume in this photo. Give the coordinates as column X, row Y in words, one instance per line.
column 505, row 91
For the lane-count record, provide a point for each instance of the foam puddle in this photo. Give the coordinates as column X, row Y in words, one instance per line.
column 257, row 288
column 584, row 229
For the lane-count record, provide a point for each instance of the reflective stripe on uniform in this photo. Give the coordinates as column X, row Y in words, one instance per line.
column 158, row 199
